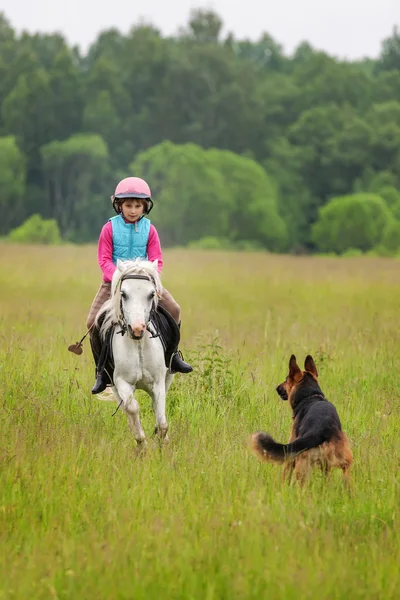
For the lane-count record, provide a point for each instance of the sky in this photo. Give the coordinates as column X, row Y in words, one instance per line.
column 349, row 29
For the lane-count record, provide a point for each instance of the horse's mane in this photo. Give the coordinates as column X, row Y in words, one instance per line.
column 110, row 311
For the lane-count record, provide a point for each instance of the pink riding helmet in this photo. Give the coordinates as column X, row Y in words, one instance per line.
column 132, row 187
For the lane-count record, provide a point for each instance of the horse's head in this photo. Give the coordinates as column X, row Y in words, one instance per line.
column 136, row 288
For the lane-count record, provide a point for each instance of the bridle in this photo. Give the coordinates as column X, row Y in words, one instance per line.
column 125, row 327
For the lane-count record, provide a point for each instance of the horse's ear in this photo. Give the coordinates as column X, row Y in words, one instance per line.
column 155, row 264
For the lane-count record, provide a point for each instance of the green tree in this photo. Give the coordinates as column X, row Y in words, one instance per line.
column 355, row 221
column 189, row 194
column 384, row 142
column 266, row 54
column 296, row 204
column 323, row 80
column 210, row 193
column 334, row 146
column 66, row 87
column 320, row 126
column 253, row 214
column 8, row 45
column 28, row 113
column 71, row 168
column 108, row 112
column 204, row 26
column 390, row 54
column 391, row 237
column 101, row 117
column 386, row 87
column 12, row 184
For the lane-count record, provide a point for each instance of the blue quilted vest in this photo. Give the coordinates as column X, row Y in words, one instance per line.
column 129, row 239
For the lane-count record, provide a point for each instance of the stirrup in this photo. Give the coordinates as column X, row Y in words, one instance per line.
column 180, row 365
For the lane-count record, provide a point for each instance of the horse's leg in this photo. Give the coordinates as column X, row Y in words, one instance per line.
column 168, row 380
column 158, row 396
column 125, row 395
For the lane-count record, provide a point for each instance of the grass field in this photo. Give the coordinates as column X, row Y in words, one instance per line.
column 83, row 517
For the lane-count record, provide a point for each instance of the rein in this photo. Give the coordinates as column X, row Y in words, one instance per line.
column 125, row 328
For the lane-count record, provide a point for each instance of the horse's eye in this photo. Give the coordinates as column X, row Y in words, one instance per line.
column 151, row 295
column 123, row 295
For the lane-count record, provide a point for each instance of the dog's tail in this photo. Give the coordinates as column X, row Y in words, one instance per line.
column 267, row 449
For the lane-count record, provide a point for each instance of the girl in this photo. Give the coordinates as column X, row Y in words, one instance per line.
column 127, row 236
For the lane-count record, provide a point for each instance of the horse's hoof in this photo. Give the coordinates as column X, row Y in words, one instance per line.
column 161, row 432
column 141, row 446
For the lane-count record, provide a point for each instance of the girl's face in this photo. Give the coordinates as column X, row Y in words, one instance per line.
column 132, row 209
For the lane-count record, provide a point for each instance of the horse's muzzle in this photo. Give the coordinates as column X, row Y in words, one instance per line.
column 137, row 331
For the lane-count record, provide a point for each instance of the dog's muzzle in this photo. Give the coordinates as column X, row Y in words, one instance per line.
column 282, row 393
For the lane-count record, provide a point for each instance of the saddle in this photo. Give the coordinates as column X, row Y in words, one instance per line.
column 161, row 325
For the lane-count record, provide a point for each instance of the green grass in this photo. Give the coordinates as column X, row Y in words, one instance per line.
column 83, row 517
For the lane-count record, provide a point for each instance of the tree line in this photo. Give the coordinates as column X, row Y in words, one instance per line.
column 242, row 144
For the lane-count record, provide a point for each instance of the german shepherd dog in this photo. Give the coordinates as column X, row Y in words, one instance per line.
column 317, row 438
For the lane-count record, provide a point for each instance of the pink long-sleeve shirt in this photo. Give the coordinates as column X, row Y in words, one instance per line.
column 105, row 250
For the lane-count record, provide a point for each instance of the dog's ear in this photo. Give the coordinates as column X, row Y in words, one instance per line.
column 309, row 365
column 294, row 369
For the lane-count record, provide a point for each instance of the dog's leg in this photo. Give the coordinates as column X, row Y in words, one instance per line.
column 288, row 471
column 326, row 469
column 302, row 469
column 346, row 478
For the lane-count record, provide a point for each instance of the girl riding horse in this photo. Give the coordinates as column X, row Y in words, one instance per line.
column 127, row 236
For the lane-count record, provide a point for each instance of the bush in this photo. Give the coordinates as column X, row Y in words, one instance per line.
column 356, row 221
column 249, row 246
column 223, row 243
column 352, row 253
column 391, row 236
column 36, row 230
column 392, row 198
column 211, row 243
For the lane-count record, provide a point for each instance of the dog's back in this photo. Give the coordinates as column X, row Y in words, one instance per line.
column 316, row 415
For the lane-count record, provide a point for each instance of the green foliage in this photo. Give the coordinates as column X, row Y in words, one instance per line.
column 391, row 237
column 355, row 221
column 12, row 183
column 36, row 230
column 72, row 169
column 392, row 198
column 210, row 193
column 351, row 253
column 204, row 26
column 296, row 203
column 390, row 56
column 189, row 193
column 220, row 243
column 28, row 112
column 254, row 214
column 321, row 127
column 211, row 243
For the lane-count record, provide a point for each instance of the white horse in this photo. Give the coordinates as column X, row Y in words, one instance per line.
column 138, row 357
